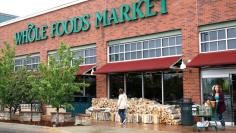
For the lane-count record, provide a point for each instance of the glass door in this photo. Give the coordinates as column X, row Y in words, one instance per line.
column 233, row 94
column 224, row 82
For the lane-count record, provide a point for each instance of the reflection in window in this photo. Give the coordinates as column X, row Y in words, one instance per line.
column 89, row 91
column 216, row 40
column 134, row 85
column 31, row 62
column 88, row 54
column 168, row 46
column 153, row 86
column 205, row 47
column 222, row 45
column 213, row 46
column 116, row 81
column 213, row 35
column 231, row 33
column 204, row 36
column 207, row 84
column 173, row 87
column 232, row 44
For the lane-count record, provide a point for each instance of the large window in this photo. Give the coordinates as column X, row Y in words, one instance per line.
column 173, row 87
column 89, row 90
column 153, row 86
column 152, row 48
column 116, row 82
column 162, row 87
column 54, row 56
column 30, row 62
column 87, row 54
column 134, row 85
column 218, row 40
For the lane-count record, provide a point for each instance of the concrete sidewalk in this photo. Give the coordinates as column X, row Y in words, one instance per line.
column 104, row 129
column 111, row 127
column 21, row 128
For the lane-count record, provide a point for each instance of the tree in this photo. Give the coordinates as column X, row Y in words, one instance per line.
column 15, row 86
column 21, row 88
column 6, row 71
column 56, row 84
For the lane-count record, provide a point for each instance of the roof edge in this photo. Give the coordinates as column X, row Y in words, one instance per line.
column 18, row 19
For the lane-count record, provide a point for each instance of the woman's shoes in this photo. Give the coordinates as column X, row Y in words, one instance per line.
column 123, row 123
column 222, row 128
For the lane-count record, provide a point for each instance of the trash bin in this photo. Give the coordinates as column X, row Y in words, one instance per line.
column 80, row 104
column 186, row 112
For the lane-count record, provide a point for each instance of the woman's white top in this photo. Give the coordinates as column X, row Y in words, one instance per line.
column 122, row 101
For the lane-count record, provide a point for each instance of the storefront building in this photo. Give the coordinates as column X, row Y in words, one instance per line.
column 138, row 45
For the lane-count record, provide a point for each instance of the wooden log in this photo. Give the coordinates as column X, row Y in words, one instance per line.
column 139, row 108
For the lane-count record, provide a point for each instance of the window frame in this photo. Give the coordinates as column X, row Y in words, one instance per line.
column 23, row 58
column 144, row 49
column 84, row 53
column 144, row 89
column 217, row 40
column 76, row 49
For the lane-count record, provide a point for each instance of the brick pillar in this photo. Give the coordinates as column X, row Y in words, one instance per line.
column 101, row 52
column 192, row 86
column 190, row 34
column 101, row 89
column 191, row 76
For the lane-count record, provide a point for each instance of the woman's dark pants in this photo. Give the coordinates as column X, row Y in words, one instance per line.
column 121, row 113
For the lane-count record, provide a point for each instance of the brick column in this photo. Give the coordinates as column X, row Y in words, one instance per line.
column 101, row 52
column 101, row 89
column 192, row 86
column 190, row 33
column 191, row 76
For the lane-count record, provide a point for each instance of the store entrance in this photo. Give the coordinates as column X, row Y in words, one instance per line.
column 224, row 82
column 226, row 78
column 233, row 90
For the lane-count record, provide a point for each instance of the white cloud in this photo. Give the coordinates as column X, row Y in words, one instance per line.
column 28, row 7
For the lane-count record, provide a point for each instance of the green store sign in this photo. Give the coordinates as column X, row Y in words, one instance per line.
column 83, row 24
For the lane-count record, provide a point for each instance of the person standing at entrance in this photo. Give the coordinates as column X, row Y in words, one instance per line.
column 219, row 99
column 122, row 105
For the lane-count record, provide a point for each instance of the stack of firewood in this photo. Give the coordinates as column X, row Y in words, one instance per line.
column 139, row 111
column 99, row 103
column 170, row 114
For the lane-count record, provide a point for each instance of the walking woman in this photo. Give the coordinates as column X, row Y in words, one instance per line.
column 218, row 98
column 122, row 106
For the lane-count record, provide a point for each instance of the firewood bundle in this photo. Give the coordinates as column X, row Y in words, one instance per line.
column 139, row 111
column 170, row 114
column 98, row 103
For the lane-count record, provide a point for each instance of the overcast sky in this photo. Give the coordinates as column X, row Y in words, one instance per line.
column 27, row 7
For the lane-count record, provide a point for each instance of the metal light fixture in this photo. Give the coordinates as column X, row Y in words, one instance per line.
column 92, row 71
column 182, row 66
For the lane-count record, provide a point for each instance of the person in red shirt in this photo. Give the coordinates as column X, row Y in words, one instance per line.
column 219, row 99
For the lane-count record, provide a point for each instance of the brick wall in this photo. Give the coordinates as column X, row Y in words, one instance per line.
column 186, row 15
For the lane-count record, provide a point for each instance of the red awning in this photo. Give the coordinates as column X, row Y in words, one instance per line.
column 84, row 69
column 140, row 65
column 214, row 59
